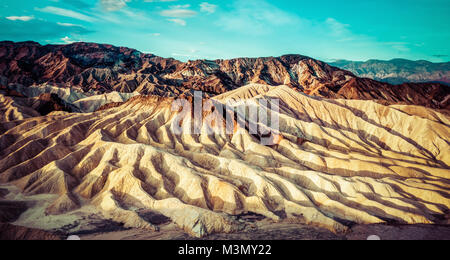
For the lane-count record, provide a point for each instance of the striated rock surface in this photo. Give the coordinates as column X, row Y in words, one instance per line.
column 46, row 99
column 333, row 163
column 101, row 68
column 432, row 95
column 11, row 110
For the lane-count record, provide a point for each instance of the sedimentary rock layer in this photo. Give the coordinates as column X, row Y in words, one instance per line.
column 332, row 163
column 101, row 68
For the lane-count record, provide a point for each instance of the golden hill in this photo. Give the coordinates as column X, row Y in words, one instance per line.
column 335, row 162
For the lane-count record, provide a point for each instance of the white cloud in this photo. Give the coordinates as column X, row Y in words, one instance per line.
column 68, row 24
column 337, row 29
column 66, row 13
column 208, row 8
column 178, row 21
column 399, row 46
column 178, row 13
column 256, row 17
column 20, row 18
column 113, row 5
column 180, row 6
column 67, row 40
column 341, row 32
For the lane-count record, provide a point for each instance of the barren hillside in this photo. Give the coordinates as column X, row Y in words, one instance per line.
column 333, row 162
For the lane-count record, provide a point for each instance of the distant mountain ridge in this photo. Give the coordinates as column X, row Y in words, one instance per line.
column 102, row 68
column 398, row 71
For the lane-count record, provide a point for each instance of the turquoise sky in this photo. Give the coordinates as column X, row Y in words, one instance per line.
column 210, row 29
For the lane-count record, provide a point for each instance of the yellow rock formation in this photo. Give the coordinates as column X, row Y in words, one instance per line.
column 334, row 161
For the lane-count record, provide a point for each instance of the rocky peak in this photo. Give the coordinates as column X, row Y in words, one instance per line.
column 106, row 68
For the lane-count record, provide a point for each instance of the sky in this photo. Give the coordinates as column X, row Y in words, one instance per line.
column 211, row 29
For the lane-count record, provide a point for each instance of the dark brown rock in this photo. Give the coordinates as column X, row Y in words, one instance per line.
column 10, row 211
column 12, row 232
column 105, row 68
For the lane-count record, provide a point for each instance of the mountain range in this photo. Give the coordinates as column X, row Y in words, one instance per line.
column 398, row 71
column 99, row 68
